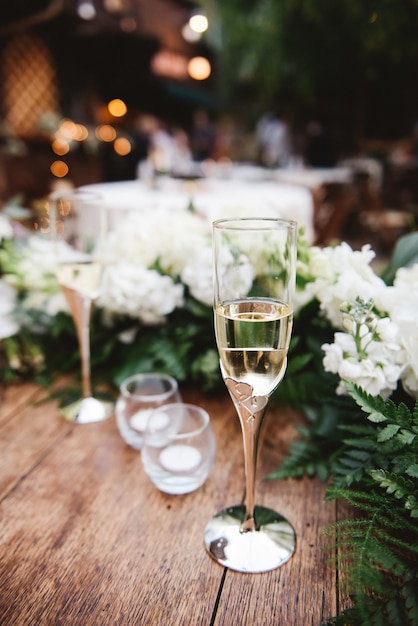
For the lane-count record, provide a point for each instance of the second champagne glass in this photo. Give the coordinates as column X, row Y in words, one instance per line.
column 254, row 279
column 78, row 224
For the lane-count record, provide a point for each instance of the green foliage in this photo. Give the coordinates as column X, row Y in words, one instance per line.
column 405, row 254
column 315, row 53
column 184, row 347
column 378, row 555
column 372, row 458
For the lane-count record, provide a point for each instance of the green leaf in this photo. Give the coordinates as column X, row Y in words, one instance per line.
column 377, row 417
column 404, row 254
column 298, row 363
column 412, row 470
column 388, row 432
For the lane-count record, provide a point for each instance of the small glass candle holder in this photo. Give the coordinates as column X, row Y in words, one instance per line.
column 139, row 395
column 179, row 448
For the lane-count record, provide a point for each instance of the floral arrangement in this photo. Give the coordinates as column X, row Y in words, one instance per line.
column 353, row 368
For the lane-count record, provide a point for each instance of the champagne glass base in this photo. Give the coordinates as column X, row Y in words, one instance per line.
column 87, row 411
column 257, row 551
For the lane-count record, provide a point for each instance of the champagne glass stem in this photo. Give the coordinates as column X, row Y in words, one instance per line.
column 251, row 427
column 81, row 307
column 83, row 332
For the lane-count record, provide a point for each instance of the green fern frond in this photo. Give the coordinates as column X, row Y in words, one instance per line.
column 376, row 407
column 388, row 432
column 305, row 457
column 401, row 488
column 409, row 592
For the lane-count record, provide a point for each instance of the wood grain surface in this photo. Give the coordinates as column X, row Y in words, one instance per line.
column 86, row 539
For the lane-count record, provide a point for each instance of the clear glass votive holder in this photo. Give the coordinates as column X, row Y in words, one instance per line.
column 139, row 395
column 179, row 448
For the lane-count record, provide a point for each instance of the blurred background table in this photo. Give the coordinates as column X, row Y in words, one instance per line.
column 85, row 538
column 213, row 198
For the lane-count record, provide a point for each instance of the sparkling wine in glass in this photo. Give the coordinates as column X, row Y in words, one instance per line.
column 78, row 227
column 254, row 280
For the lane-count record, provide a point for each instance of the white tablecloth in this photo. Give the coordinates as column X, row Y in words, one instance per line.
column 213, row 198
column 314, row 177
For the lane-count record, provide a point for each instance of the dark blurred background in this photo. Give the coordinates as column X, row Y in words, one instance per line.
column 341, row 74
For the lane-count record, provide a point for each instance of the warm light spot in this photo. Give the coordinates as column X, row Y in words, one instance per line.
column 114, row 6
column 68, row 128
column 170, row 64
column 60, row 147
column 59, row 169
column 117, row 107
column 373, row 18
column 105, row 132
column 81, row 132
column 122, row 146
column 199, row 23
column 199, row 68
column 190, row 35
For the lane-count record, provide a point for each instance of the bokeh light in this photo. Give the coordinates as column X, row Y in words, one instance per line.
column 190, row 35
column 105, row 132
column 117, row 107
column 68, row 129
column 60, row 146
column 122, row 146
column 199, row 23
column 59, row 169
column 199, row 68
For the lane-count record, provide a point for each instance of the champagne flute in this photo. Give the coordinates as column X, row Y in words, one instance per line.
column 78, row 228
column 254, row 279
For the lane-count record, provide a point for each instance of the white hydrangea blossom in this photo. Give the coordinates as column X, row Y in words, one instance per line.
column 237, row 277
column 143, row 294
column 170, row 239
column 8, row 298
column 197, row 275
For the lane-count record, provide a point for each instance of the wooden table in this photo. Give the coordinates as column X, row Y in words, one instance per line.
column 86, row 539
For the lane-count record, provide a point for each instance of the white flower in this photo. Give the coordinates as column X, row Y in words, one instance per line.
column 169, row 239
column 237, row 275
column 365, row 374
column 51, row 304
column 197, row 275
column 8, row 298
column 375, row 364
column 6, row 230
column 334, row 354
column 133, row 290
column 36, row 268
column 341, row 275
column 401, row 303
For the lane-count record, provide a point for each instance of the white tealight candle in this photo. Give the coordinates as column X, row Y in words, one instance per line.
column 139, row 420
column 180, row 458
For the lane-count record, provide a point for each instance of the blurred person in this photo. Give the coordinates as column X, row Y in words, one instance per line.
column 202, row 136
column 273, row 138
